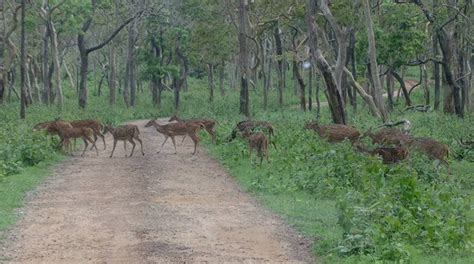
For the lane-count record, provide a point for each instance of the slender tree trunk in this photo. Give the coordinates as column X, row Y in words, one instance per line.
column 2, row 53
column 310, row 88
column 243, row 59
column 113, row 76
column 301, row 84
column 46, row 81
column 222, row 78
column 280, row 66
column 436, row 75
column 378, row 88
column 390, row 90
column 55, row 52
column 131, row 62
column 426, row 88
column 402, row 86
column 210, row 81
column 318, row 89
column 23, row 62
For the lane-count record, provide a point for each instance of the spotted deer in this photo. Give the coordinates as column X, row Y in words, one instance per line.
column 124, row 133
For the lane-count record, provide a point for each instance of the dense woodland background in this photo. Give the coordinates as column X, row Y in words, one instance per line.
column 362, row 63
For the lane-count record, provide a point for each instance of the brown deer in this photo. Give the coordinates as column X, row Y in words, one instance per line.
column 49, row 127
column 259, row 142
column 386, row 135
column 66, row 133
column 208, row 125
column 334, row 132
column 247, row 127
column 431, row 147
column 389, row 155
column 94, row 124
column 124, row 133
column 177, row 129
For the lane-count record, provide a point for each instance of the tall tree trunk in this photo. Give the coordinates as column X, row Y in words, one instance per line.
column 243, row 59
column 310, row 88
column 402, row 86
column 318, row 90
column 336, row 103
column 436, row 75
column 131, row 62
column 280, row 66
column 426, row 88
column 222, row 78
column 210, row 81
column 113, row 76
column 301, row 84
column 378, row 88
column 55, row 52
column 46, row 81
column 23, row 62
column 390, row 82
column 2, row 52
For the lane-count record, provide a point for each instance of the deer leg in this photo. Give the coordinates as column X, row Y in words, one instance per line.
column 141, row 145
column 95, row 140
column 174, row 144
column 166, row 138
column 133, row 148
column 94, row 146
column 113, row 149
column 85, row 146
column 195, row 139
column 103, row 139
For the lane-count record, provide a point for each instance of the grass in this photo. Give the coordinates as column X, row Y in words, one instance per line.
column 307, row 178
column 13, row 189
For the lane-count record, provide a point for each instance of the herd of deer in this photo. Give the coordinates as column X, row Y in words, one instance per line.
column 394, row 142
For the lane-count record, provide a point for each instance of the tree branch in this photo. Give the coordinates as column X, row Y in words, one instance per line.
column 112, row 36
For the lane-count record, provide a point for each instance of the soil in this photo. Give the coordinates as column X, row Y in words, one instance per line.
column 157, row 208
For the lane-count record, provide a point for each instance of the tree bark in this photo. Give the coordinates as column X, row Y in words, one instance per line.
column 222, row 78
column 23, row 62
column 46, row 81
column 301, row 84
column 436, row 75
column 402, row 86
column 280, row 66
column 243, row 59
column 378, row 88
column 55, row 53
column 210, row 81
column 335, row 100
column 131, row 62
column 2, row 49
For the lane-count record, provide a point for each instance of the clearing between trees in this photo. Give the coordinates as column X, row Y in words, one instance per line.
column 159, row 208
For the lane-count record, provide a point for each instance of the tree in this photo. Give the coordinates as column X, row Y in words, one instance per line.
column 23, row 62
column 374, row 71
column 243, row 59
column 84, row 51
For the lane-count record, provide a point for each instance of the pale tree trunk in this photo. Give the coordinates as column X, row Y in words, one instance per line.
column 378, row 88
column 334, row 96
column 280, row 66
column 55, row 52
column 34, row 82
column 113, row 75
column 243, row 59
column 436, row 75
column 46, row 81
column 23, row 62
column 2, row 52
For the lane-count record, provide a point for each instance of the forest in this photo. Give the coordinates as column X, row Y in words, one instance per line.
column 360, row 112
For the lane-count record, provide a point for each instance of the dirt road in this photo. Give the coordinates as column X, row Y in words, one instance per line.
column 161, row 208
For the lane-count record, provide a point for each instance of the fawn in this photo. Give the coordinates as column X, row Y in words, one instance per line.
column 259, row 142
column 94, row 124
column 245, row 128
column 124, row 133
column 334, row 132
column 177, row 129
column 66, row 133
column 208, row 125
column 389, row 155
column 386, row 135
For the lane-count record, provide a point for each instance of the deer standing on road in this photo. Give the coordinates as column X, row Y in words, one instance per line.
column 125, row 133
column 177, row 129
column 208, row 125
column 66, row 133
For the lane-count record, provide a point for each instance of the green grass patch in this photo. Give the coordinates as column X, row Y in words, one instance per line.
column 14, row 188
